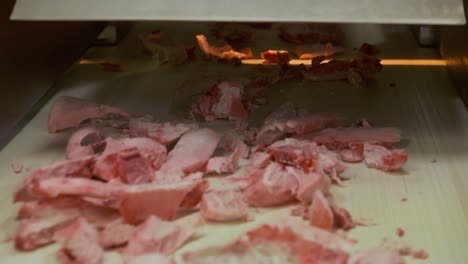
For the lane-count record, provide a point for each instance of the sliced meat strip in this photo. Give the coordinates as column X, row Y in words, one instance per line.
column 80, row 243
column 158, row 236
column 80, row 168
column 320, row 212
column 116, row 233
column 80, row 143
column 164, row 133
column 377, row 255
column 69, row 112
column 223, row 206
column 276, row 56
column 127, row 165
column 382, row 158
column 51, row 188
column 309, row 51
column 192, row 151
column 37, row 232
column 227, row 164
column 225, row 52
column 138, row 202
column 340, row 138
column 151, row 259
column 273, row 185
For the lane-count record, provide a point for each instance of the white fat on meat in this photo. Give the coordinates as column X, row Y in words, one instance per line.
column 192, row 151
column 80, row 243
column 380, row 157
column 80, row 143
column 223, row 206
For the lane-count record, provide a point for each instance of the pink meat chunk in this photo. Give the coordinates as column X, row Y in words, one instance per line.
column 274, row 185
column 37, row 232
column 377, row 255
column 382, row 158
column 51, row 188
column 151, row 259
column 339, row 138
column 420, row 254
column 342, row 218
column 164, row 133
column 128, row 166
column 355, row 152
column 116, row 234
column 227, row 164
column 223, row 206
column 222, row 101
column 308, row 184
column 80, row 168
column 158, row 236
column 76, row 147
column 259, row 160
column 192, row 152
column 69, row 112
column 80, row 243
column 320, row 212
column 138, row 202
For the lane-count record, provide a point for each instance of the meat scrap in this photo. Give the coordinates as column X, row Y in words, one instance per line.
column 192, row 152
column 116, row 234
column 276, row 56
column 320, row 212
column 400, row 232
column 222, row 101
column 227, row 164
column 80, row 243
column 157, row 236
column 80, row 143
column 69, row 112
column 309, row 51
column 225, row 52
column 420, row 254
column 232, row 141
column 384, row 159
column 301, row 33
column 164, row 133
column 222, row 206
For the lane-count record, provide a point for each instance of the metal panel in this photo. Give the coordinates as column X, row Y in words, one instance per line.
column 359, row 11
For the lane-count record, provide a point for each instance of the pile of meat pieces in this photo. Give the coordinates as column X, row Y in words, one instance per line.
column 127, row 191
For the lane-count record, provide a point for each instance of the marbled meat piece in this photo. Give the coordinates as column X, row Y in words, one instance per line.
column 225, row 164
column 223, row 206
column 233, row 32
column 79, row 168
column 154, row 258
column 137, row 202
column 116, row 233
column 276, row 56
column 381, row 158
column 225, row 52
column 69, row 112
column 164, row 133
column 271, row 186
column 340, row 138
column 376, row 255
column 309, row 51
column 37, row 232
column 157, row 236
column 192, row 151
column 80, row 243
column 222, row 101
column 301, row 33
column 342, row 218
column 80, row 143
column 320, row 212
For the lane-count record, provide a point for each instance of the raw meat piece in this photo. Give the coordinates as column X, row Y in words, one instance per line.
column 320, row 212
column 157, row 236
column 224, row 52
column 377, row 255
column 194, row 196
column 192, row 152
column 80, row 243
column 71, row 168
column 259, row 160
column 396, row 245
column 309, row 183
column 222, row 101
column 301, row 211
column 307, row 52
column 400, row 232
column 340, row 138
column 138, row 202
column 420, row 254
column 382, row 158
column 342, row 218
column 116, row 234
column 232, row 141
column 228, row 164
column 300, row 33
column 37, row 232
column 276, row 56
column 235, row 32
column 77, row 147
column 271, row 186
column 355, row 153
column 69, row 112
column 50, row 188
column 164, row 133
column 151, row 259
column 223, row 206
